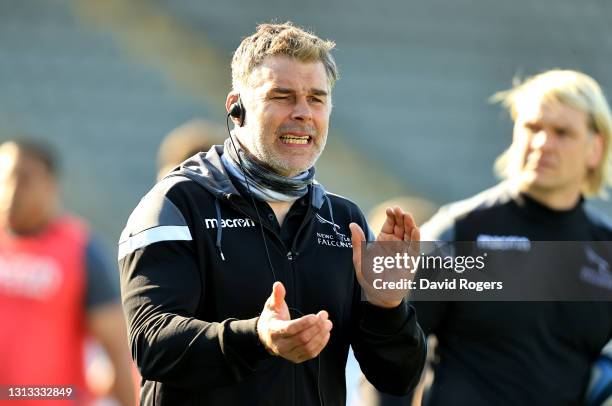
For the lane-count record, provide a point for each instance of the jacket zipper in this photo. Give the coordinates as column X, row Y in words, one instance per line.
column 307, row 217
column 290, row 256
column 293, row 366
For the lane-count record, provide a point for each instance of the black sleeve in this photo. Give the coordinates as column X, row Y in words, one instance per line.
column 161, row 288
column 390, row 347
column 388, row 344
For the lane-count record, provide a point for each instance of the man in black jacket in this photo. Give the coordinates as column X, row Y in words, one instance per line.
column 204, row 248
column 531, row 353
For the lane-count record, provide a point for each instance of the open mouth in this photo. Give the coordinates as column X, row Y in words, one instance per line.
column 295, row 139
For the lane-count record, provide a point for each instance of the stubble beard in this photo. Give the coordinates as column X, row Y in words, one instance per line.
column 279, row 165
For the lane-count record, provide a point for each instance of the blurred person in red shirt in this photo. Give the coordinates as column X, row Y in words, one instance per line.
column 56, row 287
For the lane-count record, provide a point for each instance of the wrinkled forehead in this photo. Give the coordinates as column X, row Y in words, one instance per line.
column 289, row 73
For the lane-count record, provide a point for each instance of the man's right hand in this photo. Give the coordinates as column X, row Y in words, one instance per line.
column 295, row 340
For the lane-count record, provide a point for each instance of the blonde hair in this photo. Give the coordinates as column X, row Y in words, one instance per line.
column 281, row 39
column 573, row 89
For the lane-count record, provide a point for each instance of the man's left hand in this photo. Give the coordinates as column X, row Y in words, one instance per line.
column 398, row 226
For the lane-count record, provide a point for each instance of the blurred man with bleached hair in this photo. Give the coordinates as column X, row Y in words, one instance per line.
column 528, row 353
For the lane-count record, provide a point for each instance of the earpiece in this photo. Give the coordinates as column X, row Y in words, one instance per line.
column 237, row 111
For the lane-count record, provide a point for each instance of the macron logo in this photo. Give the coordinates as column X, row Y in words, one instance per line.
column 229, row 223
column 503, row 242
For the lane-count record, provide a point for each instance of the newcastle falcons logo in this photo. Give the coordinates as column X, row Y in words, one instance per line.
column 324, row 221
column 597, row 272
column 334, row 240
